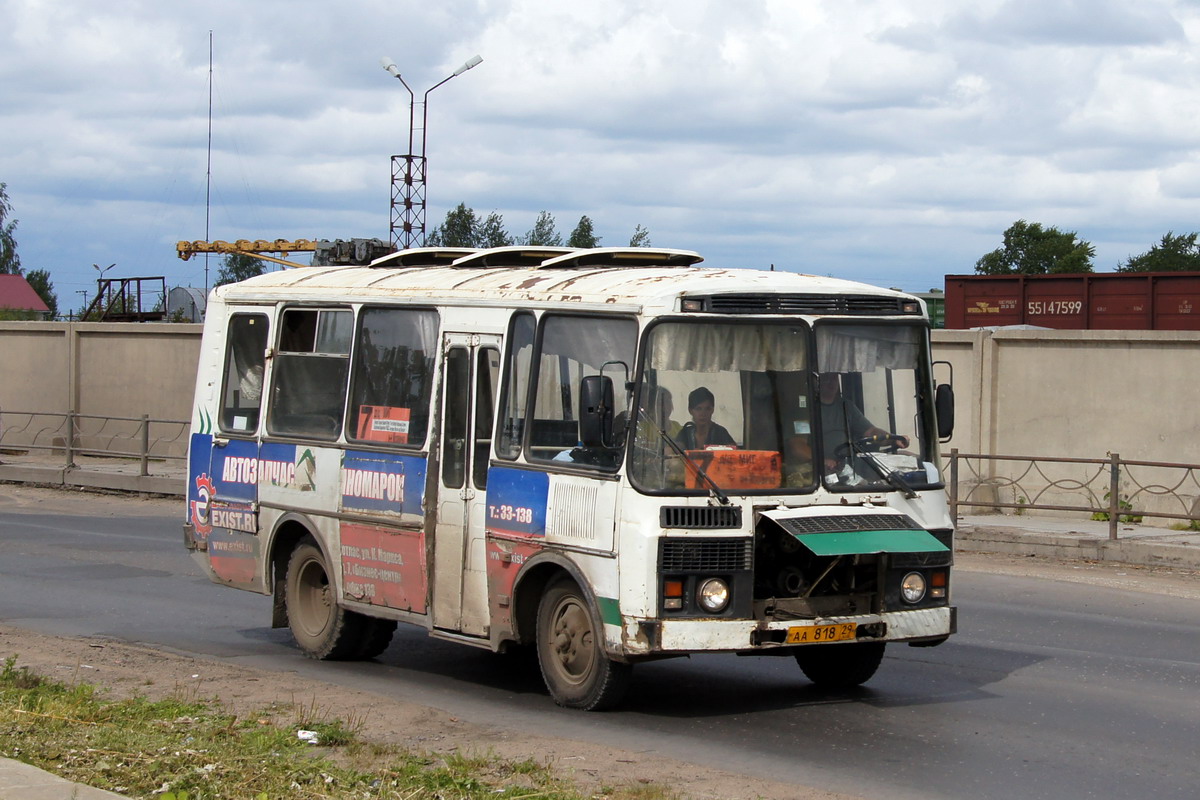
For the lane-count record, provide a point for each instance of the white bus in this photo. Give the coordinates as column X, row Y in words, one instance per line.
column 613, row 455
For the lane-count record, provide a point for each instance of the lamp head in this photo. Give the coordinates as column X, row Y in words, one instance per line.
column 390, row 66
column 472, row 62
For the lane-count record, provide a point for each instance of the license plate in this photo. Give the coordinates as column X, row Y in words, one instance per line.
column 808, row 634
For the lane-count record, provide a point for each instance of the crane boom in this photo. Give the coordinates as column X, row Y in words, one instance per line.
column 353, row 251
column 258, row 247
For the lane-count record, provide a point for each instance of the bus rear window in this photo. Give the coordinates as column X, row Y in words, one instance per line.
column 245, row 358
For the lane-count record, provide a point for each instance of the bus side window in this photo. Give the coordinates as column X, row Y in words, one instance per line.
column 308, row 390
column 245, row 360
column 573, row 347
column 516, row 386
column 393, row 376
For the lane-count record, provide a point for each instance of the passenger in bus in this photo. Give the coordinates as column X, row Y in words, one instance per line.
column 702, row 432
column 656, row 414
column 841, row 422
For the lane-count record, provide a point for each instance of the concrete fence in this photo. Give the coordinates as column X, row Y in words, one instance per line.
column 101, row 369
column 1075, row 396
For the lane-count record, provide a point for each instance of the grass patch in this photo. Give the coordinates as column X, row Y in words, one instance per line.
column 188, row 748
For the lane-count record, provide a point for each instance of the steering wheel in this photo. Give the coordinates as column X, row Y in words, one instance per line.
column 883, row 442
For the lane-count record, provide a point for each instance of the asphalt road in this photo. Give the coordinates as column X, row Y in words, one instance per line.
column 1053, row 688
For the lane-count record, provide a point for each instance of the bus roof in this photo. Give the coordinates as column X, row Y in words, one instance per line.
column 423, row 256
column 628, row 278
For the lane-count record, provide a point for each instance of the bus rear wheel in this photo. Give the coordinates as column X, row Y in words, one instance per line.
column 322, row 628
column 840, row 666
column 570, row 649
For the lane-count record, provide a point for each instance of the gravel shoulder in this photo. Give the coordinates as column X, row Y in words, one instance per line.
column 126, row 670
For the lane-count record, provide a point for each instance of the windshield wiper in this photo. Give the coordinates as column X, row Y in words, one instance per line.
column 713, row 488
column 895, row 481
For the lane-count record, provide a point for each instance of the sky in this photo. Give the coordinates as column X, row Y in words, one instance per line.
column 890, row 142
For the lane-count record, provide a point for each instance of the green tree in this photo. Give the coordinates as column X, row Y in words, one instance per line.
column 1172, row 254
column 584, row 234
column 1030, row 249
column 459, row 229
column 640, row 238
column 39, row 279
column 10, row 262
column 238, row 267
column 543, row 232
column 493, row 232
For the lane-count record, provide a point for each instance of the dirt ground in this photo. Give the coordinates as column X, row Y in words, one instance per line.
column 126, row 670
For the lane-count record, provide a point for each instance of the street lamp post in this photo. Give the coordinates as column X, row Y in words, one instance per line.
column 409, row 172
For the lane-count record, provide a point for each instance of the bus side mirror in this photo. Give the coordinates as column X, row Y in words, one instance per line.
column 943, row 403
column 595, row 411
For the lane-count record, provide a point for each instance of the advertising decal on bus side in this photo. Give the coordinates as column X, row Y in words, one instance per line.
column 517, row 501
column 384, row 566
column 382, row 482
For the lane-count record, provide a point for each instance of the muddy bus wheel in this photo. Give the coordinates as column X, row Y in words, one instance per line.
column 570, row 649
column 840, row 666
column 376, row 636
column 322, row 628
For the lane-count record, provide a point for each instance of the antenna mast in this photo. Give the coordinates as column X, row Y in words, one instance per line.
column 208, row 173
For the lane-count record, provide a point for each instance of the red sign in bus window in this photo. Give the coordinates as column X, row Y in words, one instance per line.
column 383, row 424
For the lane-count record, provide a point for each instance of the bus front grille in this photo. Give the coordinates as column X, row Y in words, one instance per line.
column 802, row 304
column 849, row 523
column 700, row 517
column 705, row 555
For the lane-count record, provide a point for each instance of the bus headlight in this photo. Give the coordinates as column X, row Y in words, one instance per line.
column 713, row 595
column 912, row 588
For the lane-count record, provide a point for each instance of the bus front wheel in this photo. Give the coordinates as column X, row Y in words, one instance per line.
column 570, row 648
column 840, row 666
column 322, row 628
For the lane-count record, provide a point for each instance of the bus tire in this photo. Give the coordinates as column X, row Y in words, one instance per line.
column 376, row 636
column 570, row 649
column 840, row 666
column 322, row 628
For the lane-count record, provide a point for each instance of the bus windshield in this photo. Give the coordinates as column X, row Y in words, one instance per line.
column 771, row 406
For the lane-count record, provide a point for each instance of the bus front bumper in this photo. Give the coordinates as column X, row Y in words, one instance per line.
column 748, row 636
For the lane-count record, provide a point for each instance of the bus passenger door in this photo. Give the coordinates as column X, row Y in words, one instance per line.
column 469, row 380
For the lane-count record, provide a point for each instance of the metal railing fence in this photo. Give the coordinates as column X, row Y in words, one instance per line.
column 1111, row 488
column 63, row 437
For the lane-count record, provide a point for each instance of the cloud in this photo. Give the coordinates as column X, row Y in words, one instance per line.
column 1071, row 23
column 875, row 140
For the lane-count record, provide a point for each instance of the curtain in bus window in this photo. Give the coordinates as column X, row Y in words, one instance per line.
column 573, row 347
column 735, row 348
column 393, row 376
column 861, row 348
column 244, row 364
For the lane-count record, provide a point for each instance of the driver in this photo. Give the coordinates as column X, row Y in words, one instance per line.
column 839, row 418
